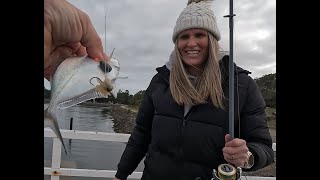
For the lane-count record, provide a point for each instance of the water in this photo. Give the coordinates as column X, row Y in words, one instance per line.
column 87, row 154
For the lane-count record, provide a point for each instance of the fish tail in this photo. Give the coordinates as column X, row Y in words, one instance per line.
column 52, row 122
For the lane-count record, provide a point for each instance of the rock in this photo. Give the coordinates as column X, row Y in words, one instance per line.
column 123, row 119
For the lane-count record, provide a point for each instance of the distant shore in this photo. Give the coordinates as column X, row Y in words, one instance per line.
column 91, row 104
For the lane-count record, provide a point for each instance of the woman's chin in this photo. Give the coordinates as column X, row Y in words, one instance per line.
column 193, row 62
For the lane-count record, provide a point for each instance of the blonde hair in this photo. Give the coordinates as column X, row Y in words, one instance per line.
column 206, row 85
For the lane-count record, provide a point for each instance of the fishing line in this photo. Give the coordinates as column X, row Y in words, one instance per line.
column 105, row 36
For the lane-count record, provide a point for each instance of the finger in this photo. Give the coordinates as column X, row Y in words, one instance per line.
column 229, row 157
column 77, row 49
column 227, row 138
column 94, row 52
column 90, row 38
column 60, row 54
column 236, row 160
column 228, row 142
column 106, row 57
column 239, row 142
column 47, row 44
column 237, row 163
column 241, row 156
column 235, row 149
column 236, row 143
column 82, row 51
column 48, row 73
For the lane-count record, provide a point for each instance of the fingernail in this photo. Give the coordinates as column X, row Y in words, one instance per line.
column 97, row 59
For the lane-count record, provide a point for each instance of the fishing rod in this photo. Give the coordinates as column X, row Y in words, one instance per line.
column 228, row 171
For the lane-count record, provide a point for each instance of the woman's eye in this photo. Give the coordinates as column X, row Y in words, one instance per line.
column 184, row 37
column 198, row 35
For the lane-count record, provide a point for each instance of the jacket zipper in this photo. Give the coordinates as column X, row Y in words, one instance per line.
column 184, row 123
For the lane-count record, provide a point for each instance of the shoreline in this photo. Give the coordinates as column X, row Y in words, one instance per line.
column 94, row 104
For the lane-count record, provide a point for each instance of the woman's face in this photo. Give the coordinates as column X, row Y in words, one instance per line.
column 193, row 46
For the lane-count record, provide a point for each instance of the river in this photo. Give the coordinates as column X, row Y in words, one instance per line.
column 86, row 154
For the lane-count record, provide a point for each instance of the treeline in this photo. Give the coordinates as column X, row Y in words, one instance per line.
column 123, row 97
column 266, row 83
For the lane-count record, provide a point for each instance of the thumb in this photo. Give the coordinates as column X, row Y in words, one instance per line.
column 55, row 59
column 227, row 138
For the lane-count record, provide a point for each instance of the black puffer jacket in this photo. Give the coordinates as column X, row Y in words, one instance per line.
column 178, row 147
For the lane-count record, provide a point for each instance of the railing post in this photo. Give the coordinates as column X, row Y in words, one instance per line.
column 56, row 157
column 71, row 123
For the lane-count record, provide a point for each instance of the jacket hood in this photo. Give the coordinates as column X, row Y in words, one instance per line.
column 224, row 67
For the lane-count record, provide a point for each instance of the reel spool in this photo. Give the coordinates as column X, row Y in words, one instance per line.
column 227, row 172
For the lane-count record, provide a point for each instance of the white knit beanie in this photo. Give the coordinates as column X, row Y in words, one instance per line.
column 197, row 14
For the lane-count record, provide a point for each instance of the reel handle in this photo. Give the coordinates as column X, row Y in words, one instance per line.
column 227, row 172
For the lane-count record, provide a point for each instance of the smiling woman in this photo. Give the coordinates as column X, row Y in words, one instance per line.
column 187, row 98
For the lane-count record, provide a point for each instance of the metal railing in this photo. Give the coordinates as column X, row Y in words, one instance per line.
column 55, row 171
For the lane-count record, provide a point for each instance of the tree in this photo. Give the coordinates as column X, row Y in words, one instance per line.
column 137, row 98
column 267, row 85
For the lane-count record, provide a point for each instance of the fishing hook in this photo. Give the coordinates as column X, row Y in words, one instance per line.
column 98, row 79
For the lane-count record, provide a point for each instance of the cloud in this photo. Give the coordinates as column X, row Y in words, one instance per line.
column 141, row 31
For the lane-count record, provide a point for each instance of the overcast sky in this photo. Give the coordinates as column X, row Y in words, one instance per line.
column 141, row 32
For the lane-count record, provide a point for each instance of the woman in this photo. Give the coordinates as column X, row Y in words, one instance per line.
column 182, row 124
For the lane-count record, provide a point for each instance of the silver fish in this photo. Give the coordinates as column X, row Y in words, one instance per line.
column 73, row 84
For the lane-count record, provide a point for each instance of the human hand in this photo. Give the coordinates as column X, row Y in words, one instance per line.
column 235, row 151
column 68, row 32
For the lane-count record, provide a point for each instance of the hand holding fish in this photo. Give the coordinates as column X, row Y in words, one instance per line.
column 235, row 151
column 68, row 31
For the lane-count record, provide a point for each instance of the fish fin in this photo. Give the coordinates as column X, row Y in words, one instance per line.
column 114, row 91
column 111, row 55
column 91, row 94
column 122, row 77
column 51, row 121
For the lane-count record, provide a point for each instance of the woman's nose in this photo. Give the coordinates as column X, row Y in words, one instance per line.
column 192, row 42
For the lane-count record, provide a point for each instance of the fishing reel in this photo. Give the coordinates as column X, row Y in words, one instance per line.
column 227, row 172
